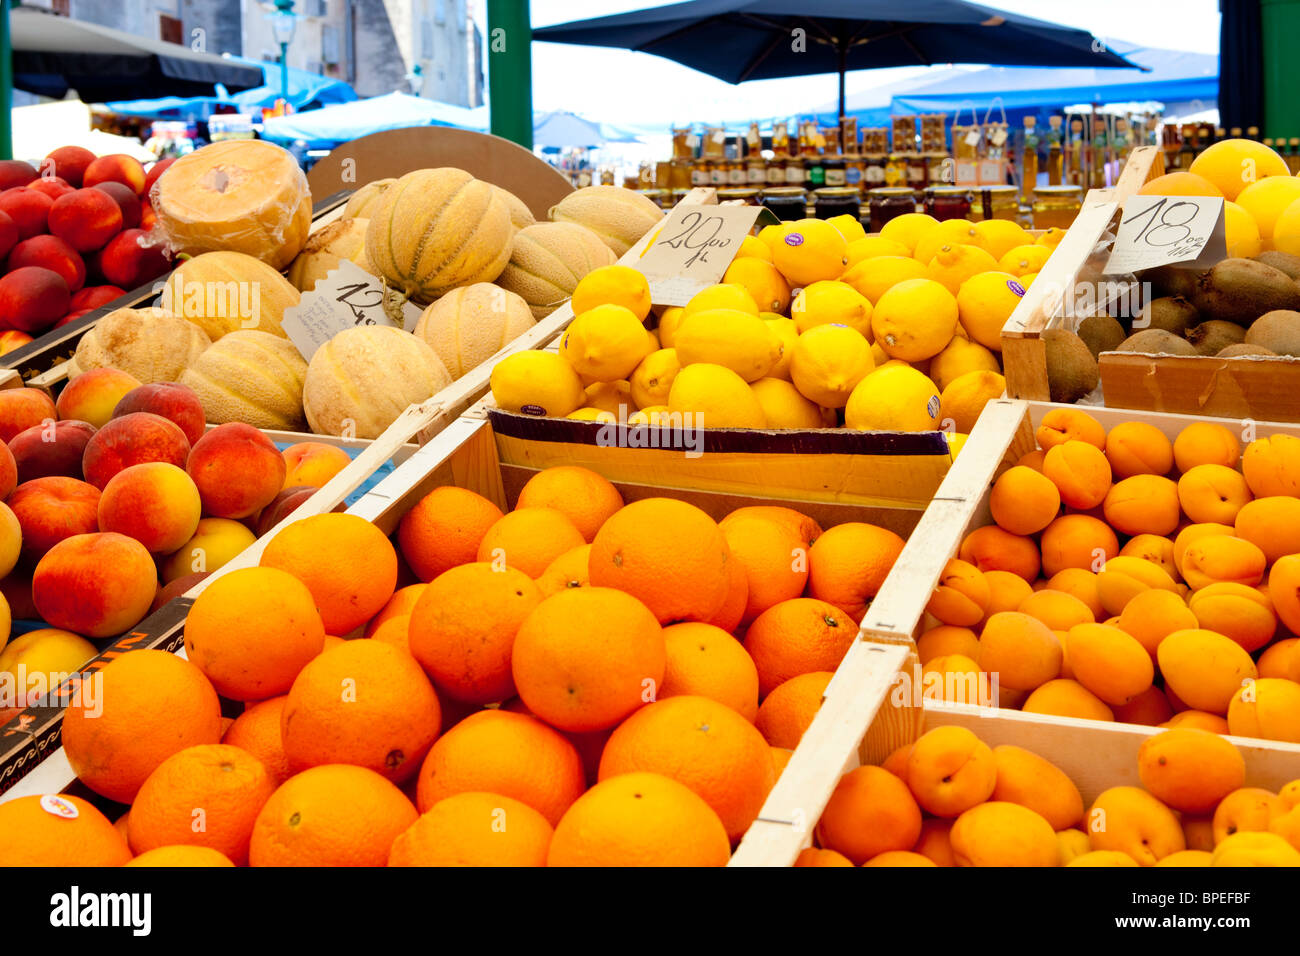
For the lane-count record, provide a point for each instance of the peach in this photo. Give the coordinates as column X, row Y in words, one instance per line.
column 1132, row 821
column 950, row 770
column 127, row 201
column 1150, row 708
column 32, row 299
column 1154, row 548
column 283, row 505
column 992, row 549
column 51, row 449
column 85, row 219
column 29, row 209
column 8, row 471
column 11, row 339
column 52, row 509
column 8, row 233
column 50, row 252
column 1021, row 650
column 215, row 542
column 1078, row 541
column 156, row 170
column 1236, row 611
column 69, row 162
column 126, row 261
column 998, row 833
column 1204, row 668
column 1069, row 424
column 1154, row 614
column 961, row 597
column 97, row 585
column 238, row 470
column 1080, row 472
column 15, row 172
column 1190, row 770
column 1065, row 697
column 1136, row 448
column 1272, row 524
column 314, row 463
column 11, row 543
column 116, row 168
column 1204, row 443
column 21, row 408
column 147, row 217
column 132, row 440
column 52, row 186
column 155, row 503
column 16, row 586
column 175, row 589
column 179, row 404
column 92, row 396
column 1269, row 708
column 1271, row 466
column 1220, row 557
column 1143, row 504
column 1025, row 778
column 1109, row 662
column 1246, row 810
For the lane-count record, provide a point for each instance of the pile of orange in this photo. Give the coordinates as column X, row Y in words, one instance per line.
column 578, row 681
column 950, row 800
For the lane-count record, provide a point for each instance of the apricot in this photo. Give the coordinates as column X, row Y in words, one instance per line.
column 869, row 813
column 991, row 549
column 1023, row 501
column 313, row 463
column 92, row 396
column 1268, row 707
column 1246, row 810
column 950, row 770
column 1066, row 697
column 1025, row 778
column 155, row 503
column 1196, row 858
column 1069, row 424
column 935, row 841
column 1081, row 585
column 1136, row 448
column 1194, row 719
column 1020, row 649
column 237, row 469
column 1109, row 662
column 1006, row 591
column 1289, row 794
column 1192, row 533
column 177, row 403
column 1132, row 821
column 1058, row 610
column 1032, row 459
column 52, row 449
column 1272, row 524
column 1281, row 660
column 956, row 679
column 1143, row 504
column 1124, row 578
column 1204, row 668
column 1255, row 849
column 947, row 639
column 899, row 858
column 96, row 585
column 896, row 762
column 1241, row 613
column 215, row 542
column 1213, row 493
column 132, row 440
column 1154, row 548
column 1071, row 844
column 1077, row 541
column 1080, row 473
column 998, row 833
column 1103, row 858
column 1198, row 831
column 1153, row 615
column 1204, row 443
column 1150, row 708
column 1271, row 466
column 1219, row 558
column 1190, row 770
column 1284, row 590
column 1287, row 826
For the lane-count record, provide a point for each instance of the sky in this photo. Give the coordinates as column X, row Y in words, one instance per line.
column 612, row 85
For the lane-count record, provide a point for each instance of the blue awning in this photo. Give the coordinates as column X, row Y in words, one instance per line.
column 326, row 128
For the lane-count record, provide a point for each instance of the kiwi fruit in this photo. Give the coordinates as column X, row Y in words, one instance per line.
column 1241, row 290
column 1157, row 342
column 1101, row 333
column 1169, row 313
column 1210, row 338
column 1071, row 369
column 1171, row 280
column 1277, row 331
column 1284, row 261
column 1232, row 351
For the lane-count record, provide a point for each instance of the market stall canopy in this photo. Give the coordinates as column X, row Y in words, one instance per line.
column 42, row 127
column 53, row 54
column 560, row 128
column 327, row 127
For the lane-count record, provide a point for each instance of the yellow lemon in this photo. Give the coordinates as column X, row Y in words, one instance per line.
column 605, row 343
column 1001, row 236
column 953, row 265
column 850, row 227
column 1286, row 231
column 962, row 401
column 828, row 361
column 873, row 246
column 714, row 397
column 915, row 319
column 958, row 357
column 589, row 414
column 1027, row 279
column 762, row 281
column 824, row 303
column 985, row 303
column 956, row 442
column 1051, row 238
column 654, row 377
column 950, row 232
column 654, row 340
column 1266, row 200
column 536, row 383
column 752, row 246
column 879, row 356
column 1234, row 164
column 654, row 415
column 873, row 277
column 897, row 399
column 771, row 235
column 810, row 250
column 725, row 295
column 668, row 323
column 787, row 333
column 613, row 285
column 1023, row 259
column 907, row 229
column 784, row 406
column 731, row 338
column 610, row 397
column 1241, row 231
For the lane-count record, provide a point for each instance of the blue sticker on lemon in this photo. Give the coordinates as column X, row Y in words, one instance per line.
column 794, row 239
column 932, row 406
column 1016, row 287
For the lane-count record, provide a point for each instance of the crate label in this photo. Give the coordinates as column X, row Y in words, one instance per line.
column 348, row 297
column 693, row 249
column 965, row 173
column 1160, row 230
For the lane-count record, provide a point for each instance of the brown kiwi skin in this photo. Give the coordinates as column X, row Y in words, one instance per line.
column 1209, row 338
column 1072, row 370
column 1283, row 261
column 1242, row 349
column 1241, row 290
column 1156, row 342
column 1278, row 330
column 1171, row 280
column 1170, row 313
column 1101, row 333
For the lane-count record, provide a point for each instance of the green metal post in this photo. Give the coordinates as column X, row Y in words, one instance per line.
column 510, row 70
column 1279, row 27
column 6, row 87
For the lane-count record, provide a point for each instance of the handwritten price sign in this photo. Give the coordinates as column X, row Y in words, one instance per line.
column 693, row 249
column 348, row 297
column 1161, row 230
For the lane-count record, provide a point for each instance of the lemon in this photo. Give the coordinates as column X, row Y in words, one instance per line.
column 950, row 232
column 536, row 383
column 879, row 355
column 985, row 303
column 849, row 226
column 784, row 407
column 788, row 333
column 613, row 285
column 1241, row 230
column 609, row 397
column 873, row 246
column 653, row 377
column 1001, row 236
column 725, row 295
column 605, row 343
column 1051, row 238
column 771, row 235
column 828, row 361
column 965, row 397
column 907, row 229
column 654, row 340
column 1286, row 231
column 762, row 281
column 915, row 319
column 668, row 323
column 1027, row 279
column 959, row 357
column 1266, row 200
column 588, row 414
column 1023, row 259
column 711, row 396
column 1234, row 164
column 810, row 250
column 953, row 265
column 832, row 303
column 752, row 246
column 737, row 340
column 654, row 415
column 897, row 399
column 872, row 277
column 956, row 442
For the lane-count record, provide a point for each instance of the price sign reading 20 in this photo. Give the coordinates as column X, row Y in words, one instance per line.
column 1167, row 223
column 698, row 234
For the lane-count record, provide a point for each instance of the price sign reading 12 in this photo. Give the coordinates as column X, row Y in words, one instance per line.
column 698, row 234
column 358, row 297
column 1168, row 226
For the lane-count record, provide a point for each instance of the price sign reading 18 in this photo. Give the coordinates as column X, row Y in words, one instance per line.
column 1157, row 230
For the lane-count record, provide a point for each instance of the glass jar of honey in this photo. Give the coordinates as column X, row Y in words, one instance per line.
column 997, row 202
column 794, row 172
column 948, row 202
column 718, row 173
column 700, row 172
column 873, row 170
column 888, row 202
column 1056, row 206
column 896, row 170
column 775, row 173
column 788, row 203
column 679, row 174
column 755, row 173
column 737, row 173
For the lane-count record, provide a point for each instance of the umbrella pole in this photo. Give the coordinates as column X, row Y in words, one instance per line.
column 510, row 70
column 6, row 86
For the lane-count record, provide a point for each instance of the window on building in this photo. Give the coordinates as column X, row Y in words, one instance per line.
column 313, row 8
column 329, row 43
column 462, row 16
column 426, row 40
column 170, row 29
column 440, row 11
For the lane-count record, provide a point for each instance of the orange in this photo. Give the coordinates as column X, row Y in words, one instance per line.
column 781, row 759
column 529, row 539
column 209, row 796
column 797, row 637
column 848, row 564
column 498, row 751
column 251, row 631
column 399, row 605
column 584, row 497
column 569, row 570
column 334, row 815
column 1032, row 781
column 703, row 744
column 1190, row 770
column 444, row 529
column 136, row 712
column 870, row 812
column 811, row 856
column 1179, row 184
column 365, row 703
column 257, row 731
column 639, row 819
column 788, row 711
column 706, row 661
column 732, row 611
column 775, row 560
column 348, row 565
column 463, row 629
column 586, row 658
column 181, row 855
column 474, row 829
column 1023, row 501
column 58, row 830
column 950, row 770
column 668, row 554
column 396, row 631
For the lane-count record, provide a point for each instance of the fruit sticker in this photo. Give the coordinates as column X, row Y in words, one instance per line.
column 932, row 406
column 794, row 239
column 56, row 806
column 1016, row 287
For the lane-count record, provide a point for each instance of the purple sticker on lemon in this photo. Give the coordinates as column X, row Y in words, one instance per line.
column 1016, row 287
column 794, row 239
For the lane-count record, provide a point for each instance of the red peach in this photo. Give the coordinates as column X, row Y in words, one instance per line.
column 32, row 299
column 11, row 339
column 93, row 296
column 313, row 463
column 155, row 503
column 69, row 162
column 128, row 262
column 174, row 589
column 116, row 168
column 29, row 209
column 92, row 396
column 51, row 252
column 8, row 233
column 238, row 470
column 85, row 219
column 70, row 317
column 283, row 505
column 21, row 408
column 156, row 170
column 98, row 585
column 175, row 402
column 15, row 172
column 51, row 449
column 126, row 200
column 52, row 509
column 132, row 440
column 16, row 586
column 8, row 472
column 147, row 217
column 51, row 186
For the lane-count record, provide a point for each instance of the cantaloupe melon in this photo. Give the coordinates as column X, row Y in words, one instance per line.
column 362, row 379
column 152, row 344
column 361, row 201
column 222, row 292
column 619, row 216
column 251, row 377
column 245, row 195
column 547, row 262
column 469, row 325
column 436, row 229
column 520, row 214
column 343, row 239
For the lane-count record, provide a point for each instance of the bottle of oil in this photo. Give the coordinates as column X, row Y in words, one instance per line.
column 1029, row 160
column 1074, row 174
column 1054, row 151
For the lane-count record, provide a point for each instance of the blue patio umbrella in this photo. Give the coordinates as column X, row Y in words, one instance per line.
column 325, row 128
column 561, row 128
